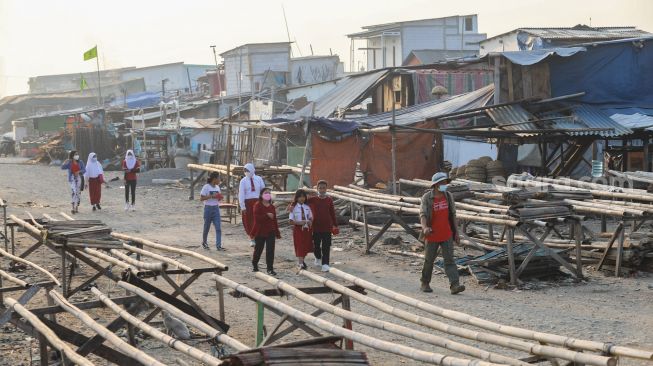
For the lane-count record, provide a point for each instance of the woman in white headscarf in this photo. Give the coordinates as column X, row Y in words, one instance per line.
column 130, row 166
column 95, row 178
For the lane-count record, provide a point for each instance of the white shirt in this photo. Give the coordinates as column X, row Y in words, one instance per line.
column 296, row 214
column 245, row 189
column 207, row 190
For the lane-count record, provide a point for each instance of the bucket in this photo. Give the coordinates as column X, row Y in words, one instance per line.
column 597, row 168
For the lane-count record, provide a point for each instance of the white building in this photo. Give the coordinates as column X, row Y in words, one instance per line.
column 390, row 44
column 523, row 39
column 178, row 76
column 250, row 66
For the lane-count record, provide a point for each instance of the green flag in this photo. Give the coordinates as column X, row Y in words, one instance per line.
column 82, row 83
column 92, row 53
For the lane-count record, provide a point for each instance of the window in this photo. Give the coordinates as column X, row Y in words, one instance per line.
column 398, row 97
column 469, row 24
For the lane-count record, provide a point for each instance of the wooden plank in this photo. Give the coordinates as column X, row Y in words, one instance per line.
column 615, row 235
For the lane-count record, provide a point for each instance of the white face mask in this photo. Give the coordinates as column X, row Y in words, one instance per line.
column 248, row 174
column 94, row 159
column 76, row 157
column 443, row 187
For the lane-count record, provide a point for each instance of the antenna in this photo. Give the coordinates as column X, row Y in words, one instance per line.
column 287, row 31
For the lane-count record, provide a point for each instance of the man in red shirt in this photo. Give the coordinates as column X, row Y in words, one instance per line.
column 438, row 219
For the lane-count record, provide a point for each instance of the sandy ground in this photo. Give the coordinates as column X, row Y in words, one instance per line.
column 607, row 309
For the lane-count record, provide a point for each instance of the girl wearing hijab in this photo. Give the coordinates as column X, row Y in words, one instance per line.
column 130, row 166
column 249, row 192
column 76, row 170
column 301, row 217
column 211, row 196
column 95, row 178
column 265, row 230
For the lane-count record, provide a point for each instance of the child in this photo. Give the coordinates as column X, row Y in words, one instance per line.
column 211, row 195
column 265, row 230
column 301, row 217
column 95, row 178
column 76, row 171
column 130, row 166
column 249, row 190
column 324, row 225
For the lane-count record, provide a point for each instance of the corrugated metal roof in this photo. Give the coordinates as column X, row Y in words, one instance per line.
column 348, row 92
column 593, row 117
column 421, row 112
column 634, row 120
column 585, row 32
column 583, row 116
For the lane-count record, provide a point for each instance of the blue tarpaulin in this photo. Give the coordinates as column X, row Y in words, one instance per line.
column 339, row 125
column 612, row 74
column 139, row 100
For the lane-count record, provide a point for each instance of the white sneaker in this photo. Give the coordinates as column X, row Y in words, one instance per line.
column 252, row 243
column 325, row 268
column 317, row 262
column 126, row 206
column 132, row 208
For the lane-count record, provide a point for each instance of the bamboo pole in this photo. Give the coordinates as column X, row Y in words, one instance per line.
column 485, row 204
column 169, row 248
column 378, row 199
column 110, row 259
column 155, row 333
column 390, row 327
column 188, row 319
column 51, row 336
column 35, row 232
column 484, row 219
column 105, row 333
column 31, row 264
column 157, row 267
column 66, row 216
column 482, row 209
column 409, row 352
column 394, row 228
column 499, row 328
column 13, row 279
column 34, row 221
column 394, row 208
column 594, row 192
column 518, row 344
column 164, row 259
column 623, row 210
column 369, row 193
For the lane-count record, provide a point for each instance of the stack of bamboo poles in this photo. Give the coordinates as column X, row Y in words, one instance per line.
column 238, row 170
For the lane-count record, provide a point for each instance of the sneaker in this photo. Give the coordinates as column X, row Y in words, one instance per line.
column 205, row 246
column 303, row 266
column 325, row 268
column 220, row 248
column 317, row 262
column 271, row 272
column 455, row 289
column 252, row 243
column 94, row 208
column 255, row 268
column 126, row 207
column 425, row 287
column 132, row 208
column 98, row 206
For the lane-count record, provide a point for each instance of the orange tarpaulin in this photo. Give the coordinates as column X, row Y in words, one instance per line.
column 334, row 161
column 418, row 156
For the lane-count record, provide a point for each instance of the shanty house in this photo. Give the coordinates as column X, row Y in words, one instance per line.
column 250, row 66
column 389, row 44
column 177, row 76
column 314, row 69
column 523, row 39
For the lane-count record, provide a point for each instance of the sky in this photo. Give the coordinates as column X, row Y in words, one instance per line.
column 41, row 37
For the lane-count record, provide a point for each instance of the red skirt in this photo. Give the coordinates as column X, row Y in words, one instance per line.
column 248, row 217
column 95, row 190
column 303, row 240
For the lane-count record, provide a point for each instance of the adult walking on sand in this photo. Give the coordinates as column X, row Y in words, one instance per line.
column 211, row 196
column 130, row 166
column 94, row 179
column 249, row 192
column 76, row 170
column 438, row 219
column 325, row 225
column 265, row 231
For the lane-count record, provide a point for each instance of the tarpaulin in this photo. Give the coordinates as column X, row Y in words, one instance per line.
column 334, row 161
column 532, row 57
column 457, row 82
column 615, row 74
column 418, row 156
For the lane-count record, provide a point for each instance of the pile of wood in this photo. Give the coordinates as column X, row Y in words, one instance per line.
column 51, row 150
column 88, row 233
column 483, row 169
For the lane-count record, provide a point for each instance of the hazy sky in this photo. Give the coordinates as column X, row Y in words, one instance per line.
column 48, row 37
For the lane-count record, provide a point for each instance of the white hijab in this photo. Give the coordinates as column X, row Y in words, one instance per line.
column 93, row 167
column 130, row 160
column 250, row 168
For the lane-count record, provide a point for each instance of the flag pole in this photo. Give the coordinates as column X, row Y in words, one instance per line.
column 99, row 86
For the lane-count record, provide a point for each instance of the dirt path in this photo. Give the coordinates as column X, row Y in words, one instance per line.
column 608, row 309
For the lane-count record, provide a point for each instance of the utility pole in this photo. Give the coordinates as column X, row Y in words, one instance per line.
column 217, row 71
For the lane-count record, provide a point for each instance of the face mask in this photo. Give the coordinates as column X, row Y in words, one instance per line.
column 248, row 174
column 322, row 194
column 267, row 196
column 443, row 187
column 94, row 159
column 76, row 157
